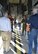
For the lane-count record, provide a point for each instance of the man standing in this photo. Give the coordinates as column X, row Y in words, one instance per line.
column 24, row 20
column 33, row 28
column 5, row 29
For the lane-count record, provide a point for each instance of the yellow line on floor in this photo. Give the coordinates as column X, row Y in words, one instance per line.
column 18, row 47
column 19, row 38
column 19, row 42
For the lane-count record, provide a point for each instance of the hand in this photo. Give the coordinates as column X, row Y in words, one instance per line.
column 28, row 27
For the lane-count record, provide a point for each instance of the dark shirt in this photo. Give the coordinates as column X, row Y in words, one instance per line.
column 24, row 21
column 33, row 20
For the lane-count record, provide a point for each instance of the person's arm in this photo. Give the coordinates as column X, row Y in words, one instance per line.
column 28, row 25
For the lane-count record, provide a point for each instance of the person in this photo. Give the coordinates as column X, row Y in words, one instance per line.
column 19, row 23
column 32, row 28
column 24, row 20
column 5, row 29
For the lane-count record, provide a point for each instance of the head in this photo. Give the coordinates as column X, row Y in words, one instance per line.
column 34, row 10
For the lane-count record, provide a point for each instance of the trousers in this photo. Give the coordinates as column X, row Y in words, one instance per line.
column 6, row 36
column 32, row 36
